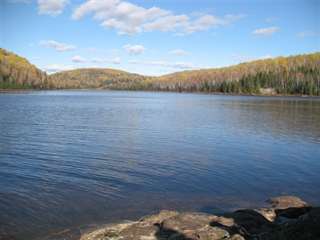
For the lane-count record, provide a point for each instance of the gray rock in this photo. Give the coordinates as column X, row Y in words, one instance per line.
column 284, row 202
column 262, row 224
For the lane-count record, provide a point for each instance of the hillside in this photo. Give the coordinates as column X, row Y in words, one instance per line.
column 283, row 75
column 18, row 72
column 298, row 75
column 94, row 78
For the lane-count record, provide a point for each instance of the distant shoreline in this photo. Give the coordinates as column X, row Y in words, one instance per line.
column 296, row 75
column 183, row 92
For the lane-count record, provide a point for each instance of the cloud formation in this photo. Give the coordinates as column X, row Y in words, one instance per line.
column 53, row 68
column 58, row 46
column 115, row 60
column 129, row 18
column 266, row 31
column 78, row 59
column 51, row 7
column 134, row 49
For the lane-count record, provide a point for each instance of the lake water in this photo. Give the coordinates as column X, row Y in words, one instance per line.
column 72, row 158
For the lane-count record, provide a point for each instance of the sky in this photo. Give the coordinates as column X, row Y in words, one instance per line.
column 155, row 37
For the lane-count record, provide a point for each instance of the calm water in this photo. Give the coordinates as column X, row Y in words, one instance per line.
column 71, row 158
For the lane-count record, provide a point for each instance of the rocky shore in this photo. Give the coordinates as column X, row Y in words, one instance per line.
column 287, row 218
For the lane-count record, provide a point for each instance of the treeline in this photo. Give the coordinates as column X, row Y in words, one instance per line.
column 17, row 73
column 94, row 78
column 296, row 82
column 285, row 83
column 299, row 75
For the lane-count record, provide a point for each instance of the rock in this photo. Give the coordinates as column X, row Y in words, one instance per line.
column 158, row 218
column 194, row 226
column 237, row 237
column 139, row 230
column 227, row 222
column 262, row 224
column 306, row 227
column 268, row 91
column 211, row 233
column 188, row 221
column 286, row 207
column 267, row 213
column 250, row 222
column 108, row 232
column 284, row 202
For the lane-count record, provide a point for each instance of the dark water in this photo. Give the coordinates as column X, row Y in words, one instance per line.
column 71, row 158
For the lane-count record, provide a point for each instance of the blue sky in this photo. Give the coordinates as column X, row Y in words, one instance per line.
column 157, row 37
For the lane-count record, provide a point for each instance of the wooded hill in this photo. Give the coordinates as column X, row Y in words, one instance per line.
column 94, row 78
column 17, row 72
column 283, row 75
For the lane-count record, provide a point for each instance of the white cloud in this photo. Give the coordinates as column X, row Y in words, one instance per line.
column 93, row 6
column 176, row 65
column 308, row 33
column 98, row 60
column 207, row 21
column 264, row 57
column 134, row 49
column 60, row 47
column 51, row 7
column 128, row 18
column 179, row 52
column 166, row 23
column 115, row 60
column 182, row 65
column 266, row 31
column 52, row 68
column 78, row 59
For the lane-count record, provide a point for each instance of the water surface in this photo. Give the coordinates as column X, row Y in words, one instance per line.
column 71, row 158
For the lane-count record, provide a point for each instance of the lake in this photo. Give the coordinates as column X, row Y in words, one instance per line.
column 74, row 158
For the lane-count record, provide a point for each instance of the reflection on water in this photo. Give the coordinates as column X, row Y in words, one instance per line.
column 70, row 158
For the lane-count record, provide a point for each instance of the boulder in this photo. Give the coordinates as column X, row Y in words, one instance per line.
column 284, row 202
column 243, row 224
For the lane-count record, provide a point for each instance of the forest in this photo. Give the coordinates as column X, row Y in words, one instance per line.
column 297, row 75
column 18, row 73
column 294, row 75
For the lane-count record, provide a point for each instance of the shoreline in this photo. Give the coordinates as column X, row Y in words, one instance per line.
column 151, row 91
column 285, row 218
column 288, row 217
